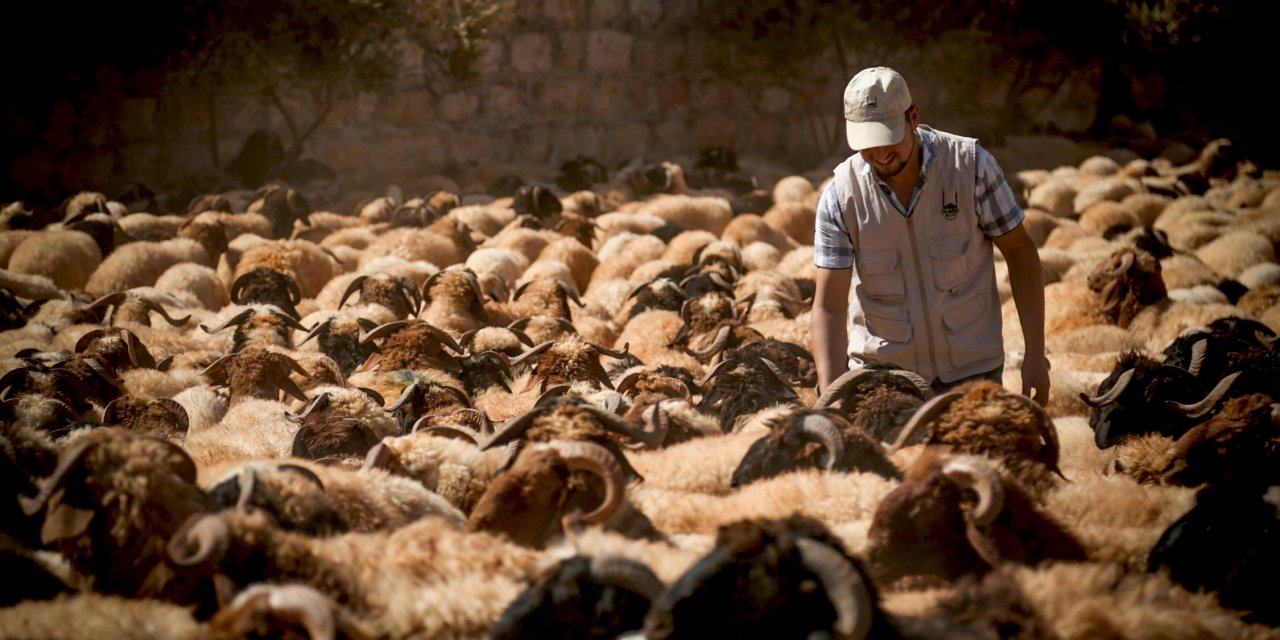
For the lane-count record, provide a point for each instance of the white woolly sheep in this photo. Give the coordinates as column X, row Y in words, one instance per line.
column 67, row 257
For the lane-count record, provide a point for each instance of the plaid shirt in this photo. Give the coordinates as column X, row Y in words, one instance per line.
column 998, row 211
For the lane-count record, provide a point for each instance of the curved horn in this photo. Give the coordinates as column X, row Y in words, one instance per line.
column 179, row 411
column 152, row 305
column 593, row 458
column 202, row 540
column 532, row 352
column 819, row 428
column 237, row 285
column 1112, row 394
column 629, row 381
column 306, row 606
column 237, row 319
column 617, row 424
column 837, row 387
column 355, row 285
column 215, row 368
column 845, row 587
column 315, row 330
column 926, row 390
column 924, row 415
column 108, row 300
column 969, row 473
column 612, row 353
column 69, row 460
column 311, row 406
column 512, row 430
column 1126, row 262
column 713, row 372
column 717, row 345
column 404, row 397
column 380, row 457
column 246, row 481
column 295, row 294
column 627, row 574
column 447, row 430
column 1199, row 409
column 381, row 330
column 87, row 339
column 1198, row 352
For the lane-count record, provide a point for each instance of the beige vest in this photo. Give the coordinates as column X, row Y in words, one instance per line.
column 924, row 287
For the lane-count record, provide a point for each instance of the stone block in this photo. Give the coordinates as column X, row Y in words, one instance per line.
column 409, row 108
column 570, row 50
column 630, row 140
column 613, row 99
column 531, row 53
column 457, row 107
column 606, row 10
column 505, row 102
column 646, row 12
column 608, row 51
column 564, row 97
column 563, row 11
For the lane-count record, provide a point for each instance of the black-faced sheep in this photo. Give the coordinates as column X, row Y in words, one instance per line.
column 770, row 579
column 929, row 526
column 1227, row 544
column 592, row 597
column 338, row 337
column 397, row 293
column 264, row 285
column 843, row 447
column 740, row 387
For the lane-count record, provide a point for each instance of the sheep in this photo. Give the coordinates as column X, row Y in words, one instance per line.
column 454, row 469
column 282, row 206
column 396, row 584
column 537, row 499
column 931, row 508
column 66, row 257
column 159, row 417
column 1133, row 399
column 397, row 293
column 770, row 579
column 566, row 360
column 194, row 283
column 596, row 596
column 738, row 387
column 878, row 401
column 983, row 418
column 111, row 506
column 338, row 337
column 255, row 372
column 260, row 326
column 141, row 263
column 411, row 344
column 1235, row 446
column 846, row 448
column 306, row 263
column 453, row 301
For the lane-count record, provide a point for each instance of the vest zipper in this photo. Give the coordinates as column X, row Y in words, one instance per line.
column 924, row 298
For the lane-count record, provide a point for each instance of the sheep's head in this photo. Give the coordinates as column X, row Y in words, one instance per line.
column 75, row 380
column 134, row 309
column 660, row 293
column 878, row 400
column 703, row 315
column 581, row 173
column 539, row 496
column 547, row 296
column 786, row 448
column 412, row 344
column 256, row 373
column 1127, row 282
column 742, row 386
column 1238, row 445
column 159, row 417
column 1133, row 399
column 281, row 206
column 267, row 286
column 567, row 360
column 486, row 369
column 118, row 347
column 770, row 579
column 111, row 505
column 537, row 201
column 984, row 418
column 458, row 289
column 428, row 395
column 292, row 494
column 397, row 293
column 264, row 325
column 606, row 595
column 338, row 337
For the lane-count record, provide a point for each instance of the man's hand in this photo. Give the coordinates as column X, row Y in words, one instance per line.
column 1035, row 375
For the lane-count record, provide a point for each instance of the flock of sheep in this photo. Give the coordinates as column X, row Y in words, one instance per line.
column 587, row 408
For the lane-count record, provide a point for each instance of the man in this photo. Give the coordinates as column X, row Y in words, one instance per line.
column 917, row 211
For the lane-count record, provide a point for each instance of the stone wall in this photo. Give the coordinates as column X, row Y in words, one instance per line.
column 610, row 79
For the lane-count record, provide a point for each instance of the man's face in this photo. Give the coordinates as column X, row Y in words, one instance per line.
column 890, row 160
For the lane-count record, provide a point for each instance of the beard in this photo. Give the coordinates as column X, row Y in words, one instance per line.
column 894, row 168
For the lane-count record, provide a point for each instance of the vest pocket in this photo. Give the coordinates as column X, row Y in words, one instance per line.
column 950, row 268
column 880, row 276
column 888, row 323
column 968, row 333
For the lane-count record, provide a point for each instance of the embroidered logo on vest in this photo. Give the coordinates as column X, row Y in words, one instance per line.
column 951, row 209
column 870, row 108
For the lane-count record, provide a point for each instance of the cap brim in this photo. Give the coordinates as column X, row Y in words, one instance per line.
column 866, row 135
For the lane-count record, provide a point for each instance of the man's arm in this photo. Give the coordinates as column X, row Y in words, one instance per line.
column 1027, row 282
column 829, row 318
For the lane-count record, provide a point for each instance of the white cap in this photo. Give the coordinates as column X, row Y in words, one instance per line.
column 875, row 106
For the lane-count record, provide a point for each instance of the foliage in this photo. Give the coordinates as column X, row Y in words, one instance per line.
column 453, row 32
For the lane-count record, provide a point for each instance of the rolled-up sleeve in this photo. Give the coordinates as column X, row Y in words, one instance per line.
column 831, row 246
column 998, row 210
